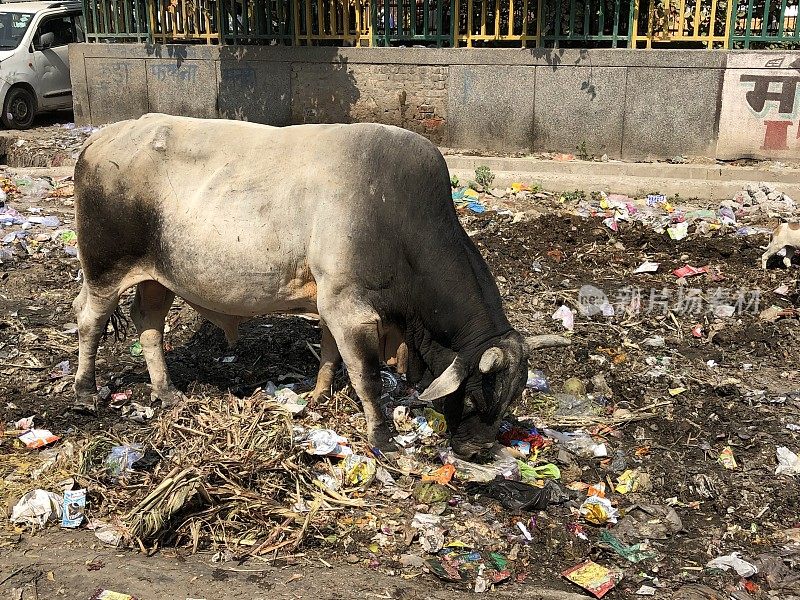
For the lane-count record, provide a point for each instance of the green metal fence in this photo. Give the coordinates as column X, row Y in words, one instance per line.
column 255, row 21
column 116, row 21
column 450, row 23
column 426, row 22
column 592, row 22
column 765, row 24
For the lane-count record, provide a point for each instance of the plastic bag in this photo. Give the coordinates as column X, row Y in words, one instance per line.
column 516, row 495
column 36, row 508
column 503, row 464
column 579, row 443
column 788, row 462
column 121, row 458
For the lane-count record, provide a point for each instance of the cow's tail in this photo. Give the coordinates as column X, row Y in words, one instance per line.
column 119, row 323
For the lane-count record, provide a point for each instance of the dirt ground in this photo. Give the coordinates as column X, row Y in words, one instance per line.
column 735, row 384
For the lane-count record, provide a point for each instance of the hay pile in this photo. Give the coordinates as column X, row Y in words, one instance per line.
column 227, row 473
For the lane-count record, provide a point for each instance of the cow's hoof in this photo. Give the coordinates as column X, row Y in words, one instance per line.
column 85, row 404
column 169, row 398
column 381, row 438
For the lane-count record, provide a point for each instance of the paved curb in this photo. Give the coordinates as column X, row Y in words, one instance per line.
column 709, row 182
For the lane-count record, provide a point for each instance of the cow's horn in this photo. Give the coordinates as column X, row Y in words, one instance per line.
column 446, row 383
column 535, row 342
column 492, row 360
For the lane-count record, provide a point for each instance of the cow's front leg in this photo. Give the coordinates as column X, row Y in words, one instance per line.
column 148, row 311
column 356, row 336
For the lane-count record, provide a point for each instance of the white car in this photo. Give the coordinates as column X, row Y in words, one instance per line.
column 34, row 61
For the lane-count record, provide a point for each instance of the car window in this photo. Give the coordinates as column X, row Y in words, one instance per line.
column 62, row 28
column 13, row 26
column 80, row 36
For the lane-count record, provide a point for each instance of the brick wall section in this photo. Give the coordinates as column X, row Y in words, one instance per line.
column 409, row 96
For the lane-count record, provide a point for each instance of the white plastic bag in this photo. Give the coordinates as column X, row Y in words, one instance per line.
column 36, row 508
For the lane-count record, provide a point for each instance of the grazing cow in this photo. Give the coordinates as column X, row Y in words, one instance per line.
column 354, row 223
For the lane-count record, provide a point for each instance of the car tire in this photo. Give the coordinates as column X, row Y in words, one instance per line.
column 19, row 109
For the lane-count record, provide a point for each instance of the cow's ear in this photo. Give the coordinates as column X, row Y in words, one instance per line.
column 493, row 360
column 446, row 383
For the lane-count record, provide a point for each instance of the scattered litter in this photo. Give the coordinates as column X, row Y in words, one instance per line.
column 726, row 458
column 109, row 595
column 442, row 475
column 36, row 508
column 598, row 510
column 537, row 381
column 678, row 231
column 647, row 267
column 732, row 561
column 631, row 481
column 120, row 459
column 24, row 423
column 61, row 370
column 516, row 495
column 689, row 271
column 428, row 492
column 108, row 533
column 120, row 399
column 37, row 438
column 359, row 471
column 72, row 512
column 788, row 462
column 578, row 442
column 457, row 565
column 566, row 316
column 325, row 442
column 594, row 578
column 635, row 553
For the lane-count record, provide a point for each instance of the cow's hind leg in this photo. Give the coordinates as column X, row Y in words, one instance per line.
column 148, row 311
column 329, row 362
column 92, row 311
column 355, row 330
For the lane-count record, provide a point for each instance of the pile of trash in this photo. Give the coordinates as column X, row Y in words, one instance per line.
column 762, row 200
column 258, row 475
column 745, row 213
column 34, row 230
column 52, row 146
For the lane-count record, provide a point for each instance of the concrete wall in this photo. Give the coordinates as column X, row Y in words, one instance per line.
column 630, row 104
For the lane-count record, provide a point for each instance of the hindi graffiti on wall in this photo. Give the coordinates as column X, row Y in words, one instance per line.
column 760, row 115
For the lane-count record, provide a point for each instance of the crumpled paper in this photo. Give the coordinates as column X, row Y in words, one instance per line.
column 36, row 508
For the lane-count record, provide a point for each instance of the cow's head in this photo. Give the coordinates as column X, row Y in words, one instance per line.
column 475, row 397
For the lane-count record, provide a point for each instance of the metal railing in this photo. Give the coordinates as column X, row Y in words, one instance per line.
column 116, row 20
column 765, row 23
column 497, row 22
column 596, row 22
column 698, row 22
column 331, row 22
column 255, row 21
column 183, row 20
column 450, row 23
column 425, row 22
